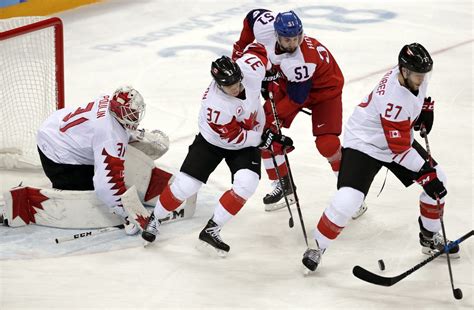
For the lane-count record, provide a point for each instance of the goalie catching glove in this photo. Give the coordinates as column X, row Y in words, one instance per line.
column 273, row 140
column 153, row 143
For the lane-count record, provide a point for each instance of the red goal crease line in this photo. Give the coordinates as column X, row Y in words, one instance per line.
column 388, row 68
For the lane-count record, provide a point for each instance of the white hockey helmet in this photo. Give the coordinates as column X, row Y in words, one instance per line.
column 127, row 106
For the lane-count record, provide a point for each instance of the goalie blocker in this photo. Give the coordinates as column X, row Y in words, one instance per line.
column 82, row 209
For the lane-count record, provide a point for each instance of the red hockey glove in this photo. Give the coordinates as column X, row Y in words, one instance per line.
column 431, row 184
column 237, row 52
column 426, row 116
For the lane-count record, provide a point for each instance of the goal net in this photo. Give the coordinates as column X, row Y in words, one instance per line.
column 31, row 85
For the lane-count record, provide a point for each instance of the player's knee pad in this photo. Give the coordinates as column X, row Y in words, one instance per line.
column 328, row 145
column 184, row 186
column 245, row 183
column 343, row 205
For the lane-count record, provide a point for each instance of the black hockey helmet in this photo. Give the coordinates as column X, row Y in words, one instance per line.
column 225, row 72
column 415, row 58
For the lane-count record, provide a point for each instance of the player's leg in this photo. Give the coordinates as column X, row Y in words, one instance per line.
column 201, row 161
column 327, row 126
column 429, row 218
column 68, row 177
column 244, row 165
column 355, row 177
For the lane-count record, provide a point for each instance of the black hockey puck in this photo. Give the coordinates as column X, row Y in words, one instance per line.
column 457, row 293
column 381, row 265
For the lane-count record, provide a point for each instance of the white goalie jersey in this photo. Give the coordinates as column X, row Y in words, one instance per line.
column 233, row 122
column 89, row 135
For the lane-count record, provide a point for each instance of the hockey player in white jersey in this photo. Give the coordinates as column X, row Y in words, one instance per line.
column 83, row 148
column 380, row 132
column 231, row 127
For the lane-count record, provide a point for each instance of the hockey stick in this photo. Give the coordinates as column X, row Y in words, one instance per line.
column 456, row 291
column 89, row 233
column 292, row 182
column 280, row 179
column 373, row 278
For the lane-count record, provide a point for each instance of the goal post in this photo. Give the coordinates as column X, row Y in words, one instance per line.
column 31, row 84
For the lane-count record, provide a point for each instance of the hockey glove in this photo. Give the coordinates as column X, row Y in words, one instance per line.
column 426, row 117
column 237, row 52
column 267, row 83
column 270, row 138
column 432, row 186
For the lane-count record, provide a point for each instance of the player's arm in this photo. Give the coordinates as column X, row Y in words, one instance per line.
column 247, row 34
column 397, row 128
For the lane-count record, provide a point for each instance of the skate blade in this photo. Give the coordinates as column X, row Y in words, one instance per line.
column 307, row 272
column 431, row 252
column 210, row 250
column 281, row 204
column 360, row 212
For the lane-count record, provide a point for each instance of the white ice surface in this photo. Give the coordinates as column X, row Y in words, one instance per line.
column 164, row 48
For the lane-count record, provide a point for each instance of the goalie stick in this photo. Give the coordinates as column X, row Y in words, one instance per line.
column 376, row 279
column 88, row 233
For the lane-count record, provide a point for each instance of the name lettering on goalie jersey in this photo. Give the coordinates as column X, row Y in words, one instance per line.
column 103, row 106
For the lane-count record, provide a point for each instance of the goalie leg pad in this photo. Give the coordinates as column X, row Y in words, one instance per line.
column 57, row 208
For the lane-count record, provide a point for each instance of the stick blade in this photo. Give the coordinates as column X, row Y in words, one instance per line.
column 370, row 277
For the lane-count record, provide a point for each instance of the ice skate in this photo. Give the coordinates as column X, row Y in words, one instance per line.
column 275, row 200
column 210, row 238
column 312, row 259
column 151, row 230
column 360, row 212
column 435, row 243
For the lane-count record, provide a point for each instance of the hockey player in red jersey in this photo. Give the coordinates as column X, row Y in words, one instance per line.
column 380, row 132
column 83, row 148
column 309, row 78
column 231, row 127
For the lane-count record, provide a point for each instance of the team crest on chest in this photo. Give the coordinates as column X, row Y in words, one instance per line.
column 239, row 111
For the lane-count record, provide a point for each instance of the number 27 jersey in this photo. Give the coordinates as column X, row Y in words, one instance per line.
column 382, row 125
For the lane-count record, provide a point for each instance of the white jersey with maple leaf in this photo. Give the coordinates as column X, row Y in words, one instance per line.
column 231, row 122
column 89, row 135
column 382, row 125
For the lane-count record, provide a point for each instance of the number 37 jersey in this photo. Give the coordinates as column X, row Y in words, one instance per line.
column 382, row 125
column 236, row 122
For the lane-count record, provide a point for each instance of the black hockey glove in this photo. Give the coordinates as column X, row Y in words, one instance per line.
column 270, row 76
column 426, row 116
column 269, row 138
column 432, row 186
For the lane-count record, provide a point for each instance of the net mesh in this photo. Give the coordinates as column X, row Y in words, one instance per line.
column 28, row 90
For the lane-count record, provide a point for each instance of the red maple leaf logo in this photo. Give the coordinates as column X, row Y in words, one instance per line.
column 25, row 202
column 141, row 220
column 251, row 122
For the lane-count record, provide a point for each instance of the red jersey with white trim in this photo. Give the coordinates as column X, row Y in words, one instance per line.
column 382, row 125
column 89, row 135
column 236, row 122
column 311, row 67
